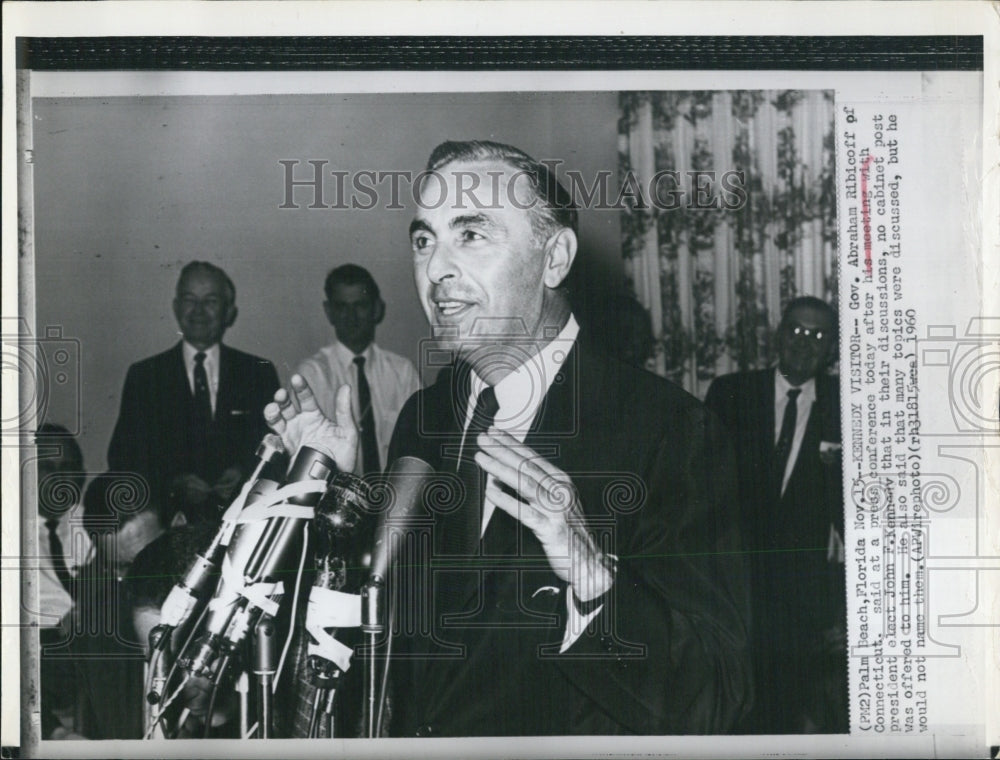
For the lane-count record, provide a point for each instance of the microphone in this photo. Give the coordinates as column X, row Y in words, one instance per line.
column 259, row 551
column 405, row 485
column 334, row 603
column 185, row 595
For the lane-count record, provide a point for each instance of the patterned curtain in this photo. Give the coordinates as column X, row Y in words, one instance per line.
column 715, row 281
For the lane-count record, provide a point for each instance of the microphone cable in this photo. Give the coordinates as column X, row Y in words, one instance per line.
column 314, row 714
column 383, row 687
column 212, row 694
column 147, row 686
column 170, row 674
column 166, row 704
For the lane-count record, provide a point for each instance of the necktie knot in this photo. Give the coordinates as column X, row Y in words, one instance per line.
column 485, row 412
column 360, row 361
column 51, row 524
column 793, row 394
column 199, row 358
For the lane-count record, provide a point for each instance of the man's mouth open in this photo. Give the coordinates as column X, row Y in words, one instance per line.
column 450, row 309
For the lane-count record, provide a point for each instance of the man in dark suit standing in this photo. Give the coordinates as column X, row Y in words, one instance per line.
column 586, row 577
column 785, row 424
column 190, row 417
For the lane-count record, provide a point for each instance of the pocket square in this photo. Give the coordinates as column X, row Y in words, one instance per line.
column 829, row 452
column 547, row 590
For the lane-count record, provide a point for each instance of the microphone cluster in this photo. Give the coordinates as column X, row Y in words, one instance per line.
column 236, row 585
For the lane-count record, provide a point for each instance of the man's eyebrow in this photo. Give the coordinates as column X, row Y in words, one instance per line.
column 420, row 225
column 482, row 220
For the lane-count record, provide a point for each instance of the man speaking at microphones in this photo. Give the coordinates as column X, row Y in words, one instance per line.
column 582, row 572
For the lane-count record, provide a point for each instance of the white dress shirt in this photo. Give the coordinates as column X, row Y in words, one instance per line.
column 392, row 379
column 54, row 602
column 211, row 365
column 519, row 395
column 803, row 407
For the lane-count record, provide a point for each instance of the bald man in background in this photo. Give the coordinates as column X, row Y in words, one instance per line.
column 190, row 417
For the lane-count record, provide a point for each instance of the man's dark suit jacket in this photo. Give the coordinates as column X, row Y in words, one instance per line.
column 108, row 663
column 797, row 593
column 156, row 434
column 667, row 654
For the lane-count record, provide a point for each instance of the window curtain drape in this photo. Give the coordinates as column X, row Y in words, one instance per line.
column 714, row 280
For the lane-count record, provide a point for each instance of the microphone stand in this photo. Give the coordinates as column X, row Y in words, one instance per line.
column 373, row 628
column 324, row 675
column 406, row 482
column 265, row 666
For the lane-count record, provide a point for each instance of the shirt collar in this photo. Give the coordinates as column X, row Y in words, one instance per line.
column 346, row 355
column 211, row 354
column 520, row 392
column 782, row 386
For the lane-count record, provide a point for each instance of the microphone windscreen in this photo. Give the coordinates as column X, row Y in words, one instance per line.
column 405, row 484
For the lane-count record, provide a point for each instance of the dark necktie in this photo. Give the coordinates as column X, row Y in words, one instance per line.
column 369, row 442
column 58, row 556
column 784, row 445
column 473, row 478
column 202, row 399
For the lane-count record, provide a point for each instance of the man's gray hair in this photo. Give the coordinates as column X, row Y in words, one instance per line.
column 554, row 208
column 209, row 268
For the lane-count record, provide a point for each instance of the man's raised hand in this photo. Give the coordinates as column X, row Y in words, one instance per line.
column 298, row 420
column 547, row 503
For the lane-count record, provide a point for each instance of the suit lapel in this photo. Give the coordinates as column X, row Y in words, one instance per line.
column 227, row 382
column 505, row 535
column 176, row 384
column 457, row 579
column 816, row 429
column 767, row 423
column 439, row 419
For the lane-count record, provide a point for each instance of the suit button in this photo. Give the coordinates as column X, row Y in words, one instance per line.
column 425, row 731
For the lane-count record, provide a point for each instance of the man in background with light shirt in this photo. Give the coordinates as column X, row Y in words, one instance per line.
column 382, row 379
column 785, row 423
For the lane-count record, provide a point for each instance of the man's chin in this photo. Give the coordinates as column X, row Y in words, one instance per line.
column 201, row 339
column 805, row 370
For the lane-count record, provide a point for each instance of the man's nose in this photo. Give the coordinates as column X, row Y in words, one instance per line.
column 803, row 339
column 441, row 264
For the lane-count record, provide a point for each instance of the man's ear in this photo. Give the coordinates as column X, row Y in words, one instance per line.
column 328, row 310
column 833, row 352
column 379, row 310
column 231, row 312
column 560, row 251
